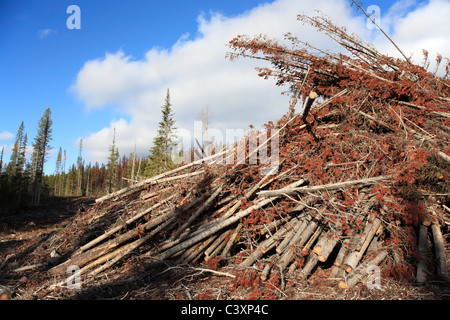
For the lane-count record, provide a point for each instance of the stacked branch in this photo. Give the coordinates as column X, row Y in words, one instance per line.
column 356, row 173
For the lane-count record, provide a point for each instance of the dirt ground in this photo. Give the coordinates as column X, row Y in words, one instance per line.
column 145, row 280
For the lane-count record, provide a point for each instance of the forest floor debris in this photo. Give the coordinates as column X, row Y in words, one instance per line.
column 355, row 207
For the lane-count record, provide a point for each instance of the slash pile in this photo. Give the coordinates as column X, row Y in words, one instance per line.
column 362, row 180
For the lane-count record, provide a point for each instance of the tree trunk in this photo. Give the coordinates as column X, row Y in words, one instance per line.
column 355, row 256
column 423, row 255
column 362, row 271
column 439, row 250
column 332, row 186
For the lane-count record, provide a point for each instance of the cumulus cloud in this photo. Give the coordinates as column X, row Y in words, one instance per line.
column 415, row 26
column 44, row 33
column 197, row 73
column 6, row 136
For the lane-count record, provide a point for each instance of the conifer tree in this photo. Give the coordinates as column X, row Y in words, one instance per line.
column 58, row 173
column 163, row 144
column 80, row 167
column 13, row 163
column 15, row 168
column 112, row 164
column 41, row 147
column 1, row 160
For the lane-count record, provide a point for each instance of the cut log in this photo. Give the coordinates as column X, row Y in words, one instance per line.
column 132, row 247
column 297, row 228
column 199, row 211
column 197, row 251
column 422, row 272
column 338, row 270
column 274, row 240
column 5, row 293
column 209, row 253
column 361, row 272
column 332, row 186
column 266, row 271
column 439, row 249
column 363, row 235
column 217, row 227
column 129, row 221
column 311, row 98
column 159, row 178
column 355, row 256
column 311, row 262
column 229, row 245
column 81, row 258
column 249, row 194
column 327, row 247
column 300, row 238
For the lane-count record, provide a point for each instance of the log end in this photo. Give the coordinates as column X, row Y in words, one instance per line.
column 5, row 293
column 317, row 250
column 313, row 95
column 343, row 285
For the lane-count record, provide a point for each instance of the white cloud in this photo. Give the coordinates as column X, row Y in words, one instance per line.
column 6, row 136
column 413, row 28
column 44, row 33
column 198, row 74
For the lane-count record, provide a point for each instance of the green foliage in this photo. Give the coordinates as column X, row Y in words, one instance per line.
column 41, row 147
column 113, row 177
column 160, row 159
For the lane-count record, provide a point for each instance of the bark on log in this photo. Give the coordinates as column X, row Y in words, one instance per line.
column 311, row 262
column 355, row 256
column 132, row 247
column 229, row 245
column 82, row 258
column 266, row 271
column 199, row 211
column 362, row 271
column 272, row 241
column 297, row 228
column 324, row 250
column 219, row 226
column 118, row 228
column 422, row 272
column 311, row 98
column 209, row 252
column 300, row 238
column 439, row 249
column 158, row 178
column 332, row 186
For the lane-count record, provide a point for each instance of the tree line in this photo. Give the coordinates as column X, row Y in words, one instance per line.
column 23, row 181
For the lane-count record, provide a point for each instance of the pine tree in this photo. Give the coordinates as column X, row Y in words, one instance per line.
column 13, row 162
column 112, row 164
column 58, row 173
column 16, row 166
column 160, row 159
column 63, row 172
column 80, row 170
column 1, row 160
column 41, row 148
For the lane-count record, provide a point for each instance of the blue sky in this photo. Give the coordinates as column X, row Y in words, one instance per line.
column 44, row 64
column 38, row 67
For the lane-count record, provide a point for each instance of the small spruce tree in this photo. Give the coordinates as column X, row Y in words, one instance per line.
column 160, row 159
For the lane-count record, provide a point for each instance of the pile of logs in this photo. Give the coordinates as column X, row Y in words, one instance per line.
column 361, row 179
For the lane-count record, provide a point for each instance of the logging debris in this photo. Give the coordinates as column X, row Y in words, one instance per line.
column 361, row 171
